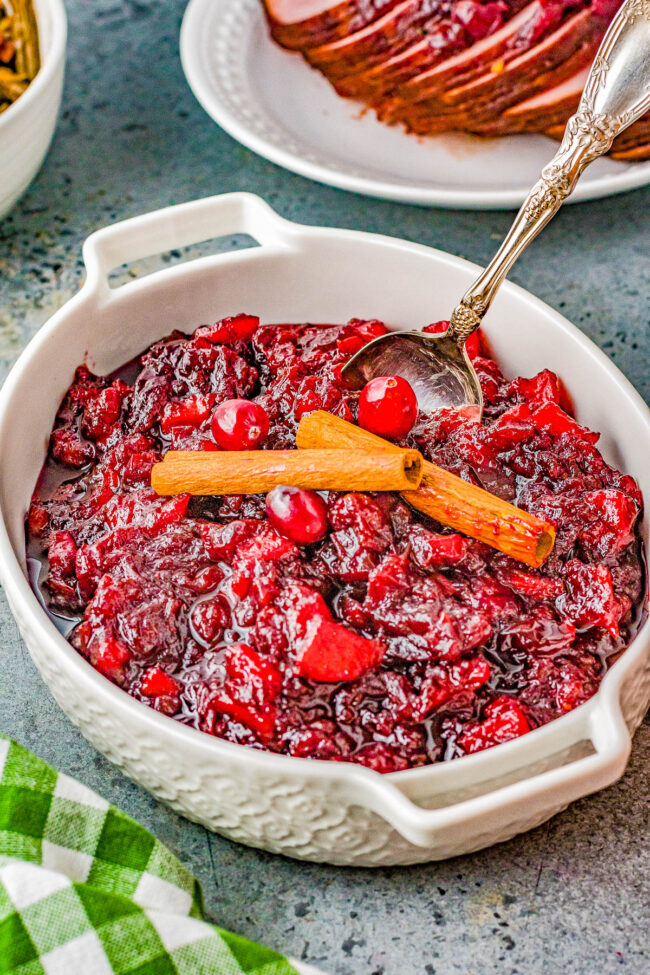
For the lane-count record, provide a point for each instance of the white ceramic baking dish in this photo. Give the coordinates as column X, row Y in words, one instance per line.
column 333, row 812
column 27, row 126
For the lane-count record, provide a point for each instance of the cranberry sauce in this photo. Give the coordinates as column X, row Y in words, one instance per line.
column 369, row 633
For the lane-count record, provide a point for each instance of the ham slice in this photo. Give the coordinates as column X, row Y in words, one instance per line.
column 636, row 154
column 441, row 41
column 546, row 109
column 546, row 65
column 373, row 44
column 445, row 43
column 301, row 24
column 471, row 62
column 578, row 39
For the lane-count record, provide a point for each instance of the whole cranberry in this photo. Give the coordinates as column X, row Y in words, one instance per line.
column 388, row 407
column 239, row 424
column 298, row 514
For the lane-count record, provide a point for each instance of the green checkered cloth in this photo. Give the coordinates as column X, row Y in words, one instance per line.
column 84, row 890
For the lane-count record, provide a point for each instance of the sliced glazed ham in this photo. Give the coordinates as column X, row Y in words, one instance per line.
column 491, row 67
column 427, row 68
column 576, row 41
column 545, row 111
column 301, row 24
column 383, row 38
column 549, row 63
column 441, row 36
column 442, row 39
column 635, row 153
column 488, row 55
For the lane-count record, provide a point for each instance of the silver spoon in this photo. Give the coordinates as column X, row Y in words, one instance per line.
column 617, row 93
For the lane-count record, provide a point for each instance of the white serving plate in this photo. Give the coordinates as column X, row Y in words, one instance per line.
column 326, row 811
column 275, row 104
column 27, row 126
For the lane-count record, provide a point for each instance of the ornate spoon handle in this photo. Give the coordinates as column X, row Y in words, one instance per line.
column 617, row 92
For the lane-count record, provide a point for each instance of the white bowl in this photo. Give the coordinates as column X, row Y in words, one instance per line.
column 27, row 127
column 327, row 811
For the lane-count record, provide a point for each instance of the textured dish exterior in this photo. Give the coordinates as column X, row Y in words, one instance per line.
column 28, row 126
column 331, row 812
column 278, row 813
column 270, row 101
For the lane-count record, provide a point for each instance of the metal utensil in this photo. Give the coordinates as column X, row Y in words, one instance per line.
column 617, row 93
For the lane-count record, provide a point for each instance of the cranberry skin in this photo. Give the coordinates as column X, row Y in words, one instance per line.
column 297, row 514
column 388, row 407
column 239, row 424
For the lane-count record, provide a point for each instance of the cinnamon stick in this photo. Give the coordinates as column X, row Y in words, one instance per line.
column 444, row 496
column 258, row 471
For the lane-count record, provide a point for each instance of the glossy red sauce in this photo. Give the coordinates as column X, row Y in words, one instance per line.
column 392, row 641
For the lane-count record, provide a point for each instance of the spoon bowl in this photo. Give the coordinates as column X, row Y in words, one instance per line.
column 436, row 366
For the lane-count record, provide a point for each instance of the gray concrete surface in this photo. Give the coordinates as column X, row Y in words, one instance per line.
column 571, row 897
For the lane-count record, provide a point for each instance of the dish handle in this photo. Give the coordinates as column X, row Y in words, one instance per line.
column 519, row 793
column 181, row 226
